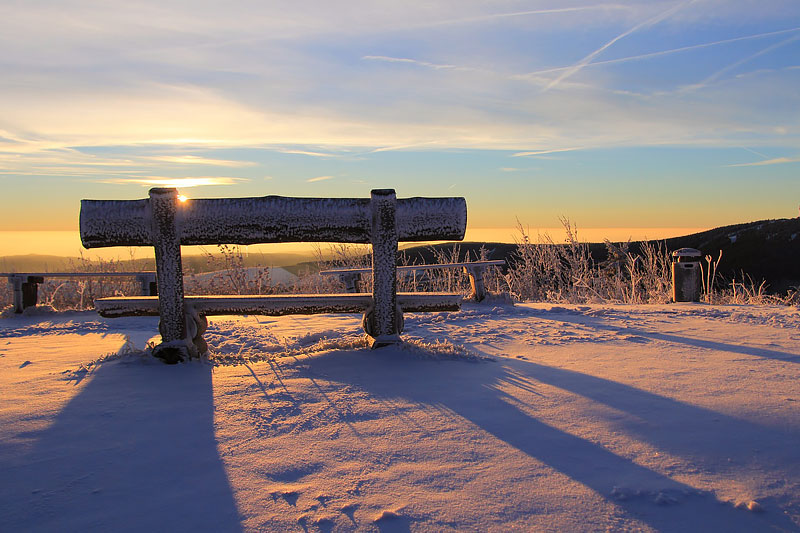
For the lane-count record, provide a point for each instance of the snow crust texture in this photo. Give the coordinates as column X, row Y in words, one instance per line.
column 532, row 417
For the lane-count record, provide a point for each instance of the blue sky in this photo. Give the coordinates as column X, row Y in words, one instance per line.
column 623, row 114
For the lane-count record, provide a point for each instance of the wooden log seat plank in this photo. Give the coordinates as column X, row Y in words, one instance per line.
column 279, row 304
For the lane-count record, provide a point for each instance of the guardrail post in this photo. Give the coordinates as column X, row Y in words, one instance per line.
column 352, row 281
column 30, row 291
column 26, row 290
column 16, row 284
column 147, row 283
column 476, row 281
column 385, row 321
column 169, row 271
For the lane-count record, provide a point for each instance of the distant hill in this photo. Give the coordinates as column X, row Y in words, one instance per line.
column 191, row 263
column 36, row 263
column 766, row 250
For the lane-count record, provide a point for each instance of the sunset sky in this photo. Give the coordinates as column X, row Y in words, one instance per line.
column 628, row 114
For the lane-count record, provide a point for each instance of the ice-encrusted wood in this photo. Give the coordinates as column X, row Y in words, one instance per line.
column 169, row 270
column 270, row 219
column 274, row 219
column 384, row 265
column 278, row 305
column 431, row 219
column 115, row 223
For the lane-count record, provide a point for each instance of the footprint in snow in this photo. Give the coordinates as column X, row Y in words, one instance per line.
column 350, row 511
column 289, row 496
column 387, row 515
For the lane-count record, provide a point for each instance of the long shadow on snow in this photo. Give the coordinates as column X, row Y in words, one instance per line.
column 693, row 432
column 472, row 391
column 677, row 339
column 133, row 451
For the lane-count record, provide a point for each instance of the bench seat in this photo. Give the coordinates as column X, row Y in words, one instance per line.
column 279, row 304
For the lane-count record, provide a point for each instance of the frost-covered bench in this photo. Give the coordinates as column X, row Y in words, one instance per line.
column 166, row 223
column 26, row 284
column 351, row 277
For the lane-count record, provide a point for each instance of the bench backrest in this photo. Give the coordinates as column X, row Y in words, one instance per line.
column 269, row 219
column 166, row 223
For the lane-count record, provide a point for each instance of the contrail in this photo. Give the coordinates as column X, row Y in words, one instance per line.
column 754, row 152
column 732, row 66
column 482, row 18
column 542, row 152
column 586, row 60
column 666, row 52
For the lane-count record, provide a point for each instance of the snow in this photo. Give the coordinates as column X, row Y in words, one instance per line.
column 533, row 417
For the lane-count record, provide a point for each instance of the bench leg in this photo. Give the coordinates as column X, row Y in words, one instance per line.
column 477, row 283
column 196, row 325
column 169, row 273
column 368, row 321
column 383, row 320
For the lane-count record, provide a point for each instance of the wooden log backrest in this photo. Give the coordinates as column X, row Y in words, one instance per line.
column 165, row 222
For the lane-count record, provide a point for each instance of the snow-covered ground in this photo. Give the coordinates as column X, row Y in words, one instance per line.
column 529, row 418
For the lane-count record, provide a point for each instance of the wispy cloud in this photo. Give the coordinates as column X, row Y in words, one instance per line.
column 516, row 14
column 181, row 183
column 197, row 160
column 406, row 60
column 543, row 152
column 403, row 146
column 306, row 152
column 588, row 59
column 775, row 161
column 319, row 178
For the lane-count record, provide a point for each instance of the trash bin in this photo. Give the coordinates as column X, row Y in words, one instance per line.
column 686, row 275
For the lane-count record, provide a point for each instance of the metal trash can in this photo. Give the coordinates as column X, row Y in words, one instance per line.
column 686, row 275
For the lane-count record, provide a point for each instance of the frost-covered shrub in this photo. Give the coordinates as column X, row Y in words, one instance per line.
column 226, row 273
column 546, row 271
column 79, row 293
